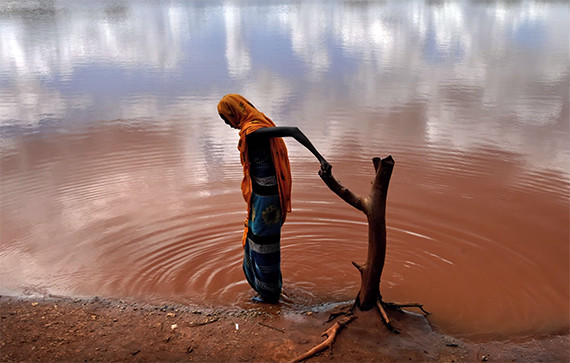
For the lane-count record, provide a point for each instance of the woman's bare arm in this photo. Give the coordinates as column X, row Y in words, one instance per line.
column 294, row 132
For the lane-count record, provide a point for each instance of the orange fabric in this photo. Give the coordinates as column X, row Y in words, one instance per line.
column 241, row 114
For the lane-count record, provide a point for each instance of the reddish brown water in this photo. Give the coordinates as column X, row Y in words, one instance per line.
column 148, row 205
column 477, row 238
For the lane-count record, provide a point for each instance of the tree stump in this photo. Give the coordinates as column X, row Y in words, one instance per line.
column 374, row 207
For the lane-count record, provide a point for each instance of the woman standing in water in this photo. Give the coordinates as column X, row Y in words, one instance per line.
column 266, row 188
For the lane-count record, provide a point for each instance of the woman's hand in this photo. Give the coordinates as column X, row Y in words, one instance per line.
column 325, row 168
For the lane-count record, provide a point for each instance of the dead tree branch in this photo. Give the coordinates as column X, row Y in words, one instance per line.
column 331, row 334
column 343, row 192
column 399, row 306
column 374, row 207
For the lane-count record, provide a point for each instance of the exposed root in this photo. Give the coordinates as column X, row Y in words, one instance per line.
column 330, row 334
column 349, row 316
column 346, row 310
column 381, row 307
column 385, row 318
column 399, row 306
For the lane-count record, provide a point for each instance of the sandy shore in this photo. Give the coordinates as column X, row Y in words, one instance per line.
column 64, row 329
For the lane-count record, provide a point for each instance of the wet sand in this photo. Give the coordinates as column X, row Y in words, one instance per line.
column 64, row 329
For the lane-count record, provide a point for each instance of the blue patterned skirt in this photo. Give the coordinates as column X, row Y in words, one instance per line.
column 262, row 254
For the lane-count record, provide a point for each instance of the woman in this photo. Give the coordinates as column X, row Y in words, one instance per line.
column 266, row 188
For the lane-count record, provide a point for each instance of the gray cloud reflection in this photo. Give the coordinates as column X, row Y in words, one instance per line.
column 477, row 69
column 237, row 53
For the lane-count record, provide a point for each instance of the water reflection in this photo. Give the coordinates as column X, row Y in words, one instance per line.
column 478, row 69
column 237, row 53
column 472, row 99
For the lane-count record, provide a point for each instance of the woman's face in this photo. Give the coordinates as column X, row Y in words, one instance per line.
column 227, row 122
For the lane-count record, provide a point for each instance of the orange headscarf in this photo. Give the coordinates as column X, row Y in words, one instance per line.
column 243, row 115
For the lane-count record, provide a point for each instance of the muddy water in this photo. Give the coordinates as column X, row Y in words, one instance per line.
column 118, row 179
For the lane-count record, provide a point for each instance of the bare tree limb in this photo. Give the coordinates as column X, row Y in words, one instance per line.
column 358, row 266
column 374, row 207
column 343, row 192
column 376, row 161
column 331, row 335
column 369, row 293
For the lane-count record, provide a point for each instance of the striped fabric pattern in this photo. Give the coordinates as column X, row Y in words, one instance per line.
column 262, row 252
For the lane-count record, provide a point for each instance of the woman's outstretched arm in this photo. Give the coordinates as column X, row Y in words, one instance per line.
column 294, row 132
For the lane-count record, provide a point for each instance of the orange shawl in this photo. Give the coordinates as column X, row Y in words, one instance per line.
column 244, row 116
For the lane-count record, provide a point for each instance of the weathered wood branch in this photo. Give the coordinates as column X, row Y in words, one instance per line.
column 399, row 306
column 374, row 207
column 385, row 317
column 370, row 288
column 376, row 161
column 331, row 334
column 343, row 192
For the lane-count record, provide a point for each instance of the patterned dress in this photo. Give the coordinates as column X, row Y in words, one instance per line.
column 262, row 252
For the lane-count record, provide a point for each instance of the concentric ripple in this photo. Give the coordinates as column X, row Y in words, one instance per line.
column 97, row 214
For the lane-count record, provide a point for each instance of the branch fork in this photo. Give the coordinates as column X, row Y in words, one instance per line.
column 374, row 207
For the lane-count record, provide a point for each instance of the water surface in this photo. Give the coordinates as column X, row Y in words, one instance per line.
column 118, row 178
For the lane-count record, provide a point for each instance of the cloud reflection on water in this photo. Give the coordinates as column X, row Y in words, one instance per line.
column 491, row 73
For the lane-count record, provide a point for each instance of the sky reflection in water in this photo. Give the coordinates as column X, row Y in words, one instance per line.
column 483, row 73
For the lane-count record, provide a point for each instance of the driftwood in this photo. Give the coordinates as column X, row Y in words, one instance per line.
column 331, row 336
column 374, row 207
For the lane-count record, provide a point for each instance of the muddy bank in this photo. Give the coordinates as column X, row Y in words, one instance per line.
column 62, row 329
